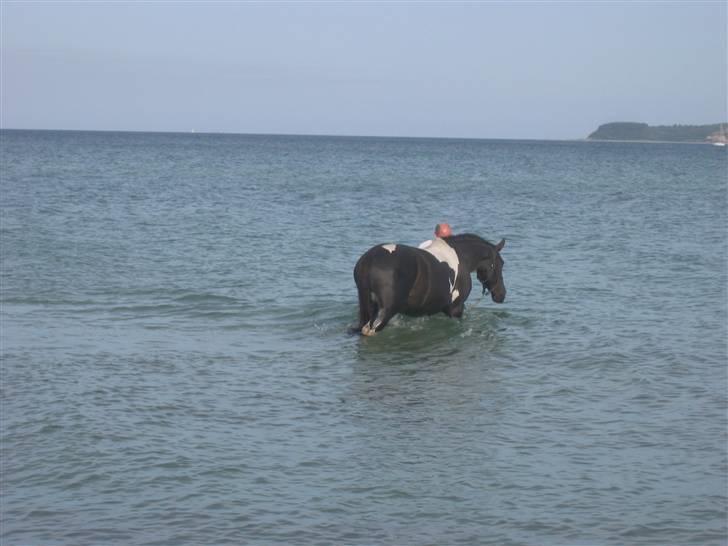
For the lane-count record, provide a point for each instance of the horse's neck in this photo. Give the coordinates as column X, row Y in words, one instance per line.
column 471, row 253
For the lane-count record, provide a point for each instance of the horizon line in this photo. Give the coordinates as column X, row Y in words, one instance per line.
column 322, row 135
column 328, row 135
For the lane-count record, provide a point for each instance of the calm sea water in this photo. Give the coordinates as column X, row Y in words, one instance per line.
column 176, row 367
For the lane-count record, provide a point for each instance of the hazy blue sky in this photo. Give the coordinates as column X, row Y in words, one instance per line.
column 489, row 69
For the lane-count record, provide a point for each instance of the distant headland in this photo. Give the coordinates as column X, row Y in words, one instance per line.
column 714, row 133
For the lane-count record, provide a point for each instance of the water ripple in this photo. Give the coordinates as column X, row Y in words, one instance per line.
column 176, row 367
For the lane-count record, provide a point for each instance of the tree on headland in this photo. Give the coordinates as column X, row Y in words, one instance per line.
column 667, row 133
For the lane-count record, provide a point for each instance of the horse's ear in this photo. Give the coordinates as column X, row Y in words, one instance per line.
column 500, row 245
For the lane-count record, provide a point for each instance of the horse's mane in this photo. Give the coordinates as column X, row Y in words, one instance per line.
column 467, row 237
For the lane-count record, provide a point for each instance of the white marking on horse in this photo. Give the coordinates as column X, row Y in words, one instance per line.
column 443, row 252
column 390, row 247
column 368, row 330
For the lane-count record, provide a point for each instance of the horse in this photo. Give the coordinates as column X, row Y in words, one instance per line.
column 392, row 278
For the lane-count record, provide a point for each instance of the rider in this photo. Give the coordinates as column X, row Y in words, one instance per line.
column 439, row 248
column 441, row 230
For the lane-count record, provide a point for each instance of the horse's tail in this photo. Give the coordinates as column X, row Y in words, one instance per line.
column 363, row 287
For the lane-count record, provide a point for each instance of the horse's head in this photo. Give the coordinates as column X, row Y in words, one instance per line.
column 490, row 273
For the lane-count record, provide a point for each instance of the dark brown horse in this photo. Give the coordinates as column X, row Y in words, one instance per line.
column 395, row 279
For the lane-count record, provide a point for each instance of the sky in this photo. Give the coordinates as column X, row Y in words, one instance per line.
column 542, row 70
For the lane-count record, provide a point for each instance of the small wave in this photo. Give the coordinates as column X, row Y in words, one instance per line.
column 137, row 306
column 159, row 309
column 48, row 301
column 206, row 298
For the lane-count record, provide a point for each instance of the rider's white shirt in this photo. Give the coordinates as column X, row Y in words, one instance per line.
column 443, row 252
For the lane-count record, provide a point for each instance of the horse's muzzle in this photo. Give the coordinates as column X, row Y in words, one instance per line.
column 497, row 295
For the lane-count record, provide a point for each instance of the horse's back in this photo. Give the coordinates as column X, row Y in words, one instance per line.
column 387, row 259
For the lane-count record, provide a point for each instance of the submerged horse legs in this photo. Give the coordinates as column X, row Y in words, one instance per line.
column 456, row 310
column 380, row 307
column 372, row 316
column 371, row 328
column 457, row 307
column 379, row 322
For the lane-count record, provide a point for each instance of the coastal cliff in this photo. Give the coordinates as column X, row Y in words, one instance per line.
column 666, row 133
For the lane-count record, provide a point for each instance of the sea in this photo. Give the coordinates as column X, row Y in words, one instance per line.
column 177, row 367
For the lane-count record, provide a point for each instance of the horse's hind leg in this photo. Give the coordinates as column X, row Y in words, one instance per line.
column 365, row 308
column 372, row 315
column 380, row 321
column 384, row 309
